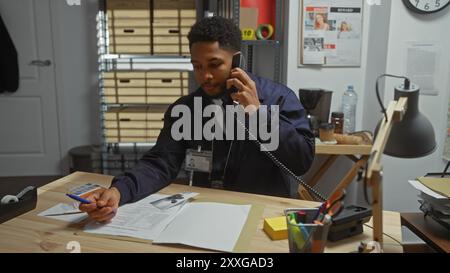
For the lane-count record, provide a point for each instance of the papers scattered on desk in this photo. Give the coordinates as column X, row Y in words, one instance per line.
column 213, row 226
column 436, row 184
column 207, row 225
column 433, row 203
column 139, row 220
column 65, row 212
column 422, row 188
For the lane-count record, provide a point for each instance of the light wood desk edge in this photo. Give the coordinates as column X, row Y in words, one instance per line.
column 32, row 233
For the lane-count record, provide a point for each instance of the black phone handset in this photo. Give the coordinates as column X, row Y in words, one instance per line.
column 235, row 63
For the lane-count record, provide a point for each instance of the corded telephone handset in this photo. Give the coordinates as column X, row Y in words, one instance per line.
column 235, row 63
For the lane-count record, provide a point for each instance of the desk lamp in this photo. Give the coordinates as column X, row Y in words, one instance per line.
column 404, row 132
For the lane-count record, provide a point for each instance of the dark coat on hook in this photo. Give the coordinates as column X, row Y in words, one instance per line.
column 9, row 67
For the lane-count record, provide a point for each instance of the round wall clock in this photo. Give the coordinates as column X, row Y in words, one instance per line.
column 426, row 6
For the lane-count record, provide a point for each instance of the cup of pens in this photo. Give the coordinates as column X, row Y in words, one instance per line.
column 305, row 233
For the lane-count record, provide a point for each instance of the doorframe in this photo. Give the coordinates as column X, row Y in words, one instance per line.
column 59, row 83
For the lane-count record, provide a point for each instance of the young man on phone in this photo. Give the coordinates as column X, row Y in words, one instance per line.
column 238, row 165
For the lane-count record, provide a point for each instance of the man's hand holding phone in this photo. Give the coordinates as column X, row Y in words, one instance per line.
column 246, row 93
column 104, row 204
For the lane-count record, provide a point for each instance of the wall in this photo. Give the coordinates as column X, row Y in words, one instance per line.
column 405, row 27
column 76, row 57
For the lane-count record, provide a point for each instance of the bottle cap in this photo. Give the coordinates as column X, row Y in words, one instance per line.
column 327, row 126
column 337, row 115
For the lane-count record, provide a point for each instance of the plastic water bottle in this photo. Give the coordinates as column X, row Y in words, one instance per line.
column 349, row 102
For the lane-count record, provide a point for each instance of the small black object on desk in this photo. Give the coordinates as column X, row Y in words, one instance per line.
column 25, row 203
column 349, row 222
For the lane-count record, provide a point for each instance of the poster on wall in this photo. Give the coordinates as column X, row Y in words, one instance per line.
column 422, row 66
column 331, row 32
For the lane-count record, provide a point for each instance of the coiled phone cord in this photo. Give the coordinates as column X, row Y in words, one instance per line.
column 281, row 165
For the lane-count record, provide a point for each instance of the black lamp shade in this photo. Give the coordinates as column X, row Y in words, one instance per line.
column 414, row 135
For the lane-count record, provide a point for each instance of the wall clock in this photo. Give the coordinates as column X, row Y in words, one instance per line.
column 426, row 6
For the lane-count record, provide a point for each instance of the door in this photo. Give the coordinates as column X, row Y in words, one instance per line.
column 29, row 139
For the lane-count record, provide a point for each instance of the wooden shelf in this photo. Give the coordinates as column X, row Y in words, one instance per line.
column 324, row 149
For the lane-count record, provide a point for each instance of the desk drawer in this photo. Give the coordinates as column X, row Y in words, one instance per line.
column 152, row 99
column 171, row 49
column 157, row 27
column 128, row 4
column 153, row 87
column 174, row 13
column 161, row 31
column 137, row 125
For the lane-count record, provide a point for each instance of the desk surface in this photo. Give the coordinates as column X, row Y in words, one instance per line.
column 428, row 230
column 32, row 233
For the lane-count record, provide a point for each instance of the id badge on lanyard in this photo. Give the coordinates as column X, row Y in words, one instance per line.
column 198, row 161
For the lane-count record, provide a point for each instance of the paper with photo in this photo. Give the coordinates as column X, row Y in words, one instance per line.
column 139, row 220
column 173, row 200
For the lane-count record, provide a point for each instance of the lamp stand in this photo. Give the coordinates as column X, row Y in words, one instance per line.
column 395, row 113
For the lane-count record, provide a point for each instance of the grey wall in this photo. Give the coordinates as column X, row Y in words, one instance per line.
column 407, row 27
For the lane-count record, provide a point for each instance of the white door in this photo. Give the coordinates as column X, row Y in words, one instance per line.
column 29, row 139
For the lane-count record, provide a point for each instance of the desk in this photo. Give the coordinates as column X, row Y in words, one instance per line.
column 434, row 234
column 333, row 152
column 32, row 233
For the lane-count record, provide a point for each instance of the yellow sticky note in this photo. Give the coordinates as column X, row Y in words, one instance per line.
column 248, row 34
column 276, row 228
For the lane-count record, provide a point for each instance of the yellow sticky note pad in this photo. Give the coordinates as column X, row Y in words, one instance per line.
column 276, row 228
column 248, row 34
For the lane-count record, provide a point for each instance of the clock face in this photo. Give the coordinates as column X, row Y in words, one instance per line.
column 426, row 6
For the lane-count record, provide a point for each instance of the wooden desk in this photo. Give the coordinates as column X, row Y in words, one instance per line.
column 32, row 233
column 359, row 154
column 433, row 233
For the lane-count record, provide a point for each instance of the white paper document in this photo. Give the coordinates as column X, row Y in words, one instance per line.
column 207, row 225
column 421, row 187
column 139, row 220
column 65, row 212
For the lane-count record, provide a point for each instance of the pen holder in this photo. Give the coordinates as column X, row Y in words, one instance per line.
column 306, row 236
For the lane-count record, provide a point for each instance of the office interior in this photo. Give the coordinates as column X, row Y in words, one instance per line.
column 52, row 123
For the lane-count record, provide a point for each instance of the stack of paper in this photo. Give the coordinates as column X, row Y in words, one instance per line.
column 435, row 201
column 169, row 220
column 142, row 219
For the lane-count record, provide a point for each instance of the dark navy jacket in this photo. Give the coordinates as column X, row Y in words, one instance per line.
column 248, row 169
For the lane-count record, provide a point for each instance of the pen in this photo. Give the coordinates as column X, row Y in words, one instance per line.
column 79, row 199
column 65, row 213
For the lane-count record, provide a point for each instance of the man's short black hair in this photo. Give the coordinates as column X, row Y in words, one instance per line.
column 216, row 29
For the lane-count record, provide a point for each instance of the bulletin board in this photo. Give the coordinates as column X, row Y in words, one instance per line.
column 330, row 32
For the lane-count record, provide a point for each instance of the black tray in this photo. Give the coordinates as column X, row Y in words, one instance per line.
column 25, row 204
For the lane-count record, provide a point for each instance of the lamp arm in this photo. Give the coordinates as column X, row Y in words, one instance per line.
column 395, row 113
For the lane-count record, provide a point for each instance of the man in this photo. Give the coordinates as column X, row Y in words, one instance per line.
column 236, row 165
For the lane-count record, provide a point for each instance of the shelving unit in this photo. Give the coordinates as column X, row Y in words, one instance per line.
column 231, row 9
column 144, row 66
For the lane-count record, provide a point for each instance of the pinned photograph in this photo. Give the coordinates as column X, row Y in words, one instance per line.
column 173, row 200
